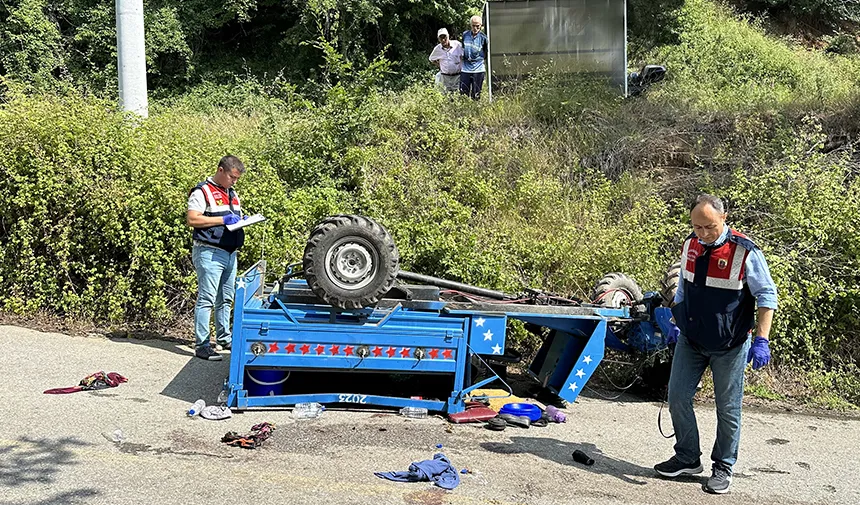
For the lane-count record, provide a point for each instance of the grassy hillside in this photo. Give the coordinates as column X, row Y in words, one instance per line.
column 549, row 189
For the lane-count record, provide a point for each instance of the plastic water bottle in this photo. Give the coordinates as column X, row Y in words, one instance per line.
column 196, row 408
column 414, row 412
column 307, row 410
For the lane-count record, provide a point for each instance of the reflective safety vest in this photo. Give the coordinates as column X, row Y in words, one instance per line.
column 219, row 202
column 718, row 310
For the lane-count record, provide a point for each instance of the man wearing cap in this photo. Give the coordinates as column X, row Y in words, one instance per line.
column 448, row 56
column 474, row 56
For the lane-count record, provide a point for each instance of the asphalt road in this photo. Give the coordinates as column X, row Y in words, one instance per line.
column 63, row 450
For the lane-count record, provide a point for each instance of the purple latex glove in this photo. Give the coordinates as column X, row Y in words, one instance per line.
column 555, row 415
column 231, row 219
column 759, row 353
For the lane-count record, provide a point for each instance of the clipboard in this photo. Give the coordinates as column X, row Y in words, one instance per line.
column 248, row 221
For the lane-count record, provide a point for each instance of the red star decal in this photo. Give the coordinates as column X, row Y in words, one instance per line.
column 404, row 352
column 434, row 353
column 320, row 349
column 348, row 350
column 273, row 347
column 377, row 351
column 391, row 352
column 290, row 348
column 447, row 353
column 305, row 349
column 334, row 350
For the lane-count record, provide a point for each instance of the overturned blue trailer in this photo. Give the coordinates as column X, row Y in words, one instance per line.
column 291, row 326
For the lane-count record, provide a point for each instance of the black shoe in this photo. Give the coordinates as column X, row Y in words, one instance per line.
column 674, row 468
column 720, row 481
column 225, row 347
column 207, row 353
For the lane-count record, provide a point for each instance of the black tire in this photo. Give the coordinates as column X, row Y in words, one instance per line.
column 350, row 261
column 669, row 284
column 616, row 290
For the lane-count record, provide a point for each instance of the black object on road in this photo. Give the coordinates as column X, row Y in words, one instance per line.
column 581, row 457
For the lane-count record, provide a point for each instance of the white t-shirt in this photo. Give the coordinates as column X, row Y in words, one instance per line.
column 197, row 200
column 451, row 59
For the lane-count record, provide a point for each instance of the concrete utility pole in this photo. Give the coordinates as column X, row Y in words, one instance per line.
column 131, row 56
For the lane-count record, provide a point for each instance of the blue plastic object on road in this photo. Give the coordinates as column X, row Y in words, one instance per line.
column 533, row 412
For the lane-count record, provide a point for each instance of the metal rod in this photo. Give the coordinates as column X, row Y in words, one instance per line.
column 442, row 283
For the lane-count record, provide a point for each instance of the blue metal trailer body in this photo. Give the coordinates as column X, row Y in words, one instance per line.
column 283, row 332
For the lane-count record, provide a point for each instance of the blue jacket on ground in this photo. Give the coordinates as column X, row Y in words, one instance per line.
column 438, row 470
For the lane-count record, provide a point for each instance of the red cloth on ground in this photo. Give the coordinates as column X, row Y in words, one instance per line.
column 98, row 380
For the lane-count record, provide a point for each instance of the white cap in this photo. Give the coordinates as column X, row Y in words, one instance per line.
column 442, row 31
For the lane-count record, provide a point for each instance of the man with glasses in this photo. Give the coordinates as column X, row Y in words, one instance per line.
column 474, row 56
column 448, row 56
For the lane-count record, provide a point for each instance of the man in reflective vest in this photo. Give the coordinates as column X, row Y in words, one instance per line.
column 724, row 278
column 212, row 205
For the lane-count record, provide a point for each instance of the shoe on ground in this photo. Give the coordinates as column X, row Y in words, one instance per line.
column 224, row 347
column 720, row 481
column 674, row 468
column 208, row 354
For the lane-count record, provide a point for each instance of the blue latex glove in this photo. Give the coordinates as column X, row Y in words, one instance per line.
column 672, row 336
column 663, row 316
column 759, row 353
column 231, row 219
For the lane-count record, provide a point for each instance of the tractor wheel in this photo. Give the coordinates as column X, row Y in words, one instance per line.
column 616, row 290
column 669, row 284
column 350, row 261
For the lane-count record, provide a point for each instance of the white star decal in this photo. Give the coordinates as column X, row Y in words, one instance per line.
column 497, row 349
column 479, row 323
column 587, row 360
column 240, row 284
column 488, row 335
column 572, row 387
column 580, row 373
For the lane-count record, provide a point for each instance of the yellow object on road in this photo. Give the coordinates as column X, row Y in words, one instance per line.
column 497, row 403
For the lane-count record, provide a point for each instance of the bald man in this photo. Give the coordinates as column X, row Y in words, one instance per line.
column 474, row 58
column 724, row 278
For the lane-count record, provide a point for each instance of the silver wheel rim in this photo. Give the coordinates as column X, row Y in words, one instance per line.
column 619, row 298
column 351, row 263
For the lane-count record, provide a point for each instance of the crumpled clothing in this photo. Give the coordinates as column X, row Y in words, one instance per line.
column 438, row 470
column 259, row 433
column 98, row 380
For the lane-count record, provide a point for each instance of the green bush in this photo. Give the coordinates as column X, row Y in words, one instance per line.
column 832, row 12
column 730, row 65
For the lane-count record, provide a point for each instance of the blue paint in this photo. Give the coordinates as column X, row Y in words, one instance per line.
column 276, row 334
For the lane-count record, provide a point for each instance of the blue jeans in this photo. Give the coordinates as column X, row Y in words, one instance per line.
column 471, row 84
column 727, row 367
column 216, row 276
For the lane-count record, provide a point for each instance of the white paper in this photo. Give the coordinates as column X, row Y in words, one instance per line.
column 256, row 218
